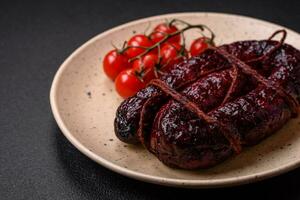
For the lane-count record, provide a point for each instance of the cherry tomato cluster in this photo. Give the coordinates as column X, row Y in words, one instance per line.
column 147, row 57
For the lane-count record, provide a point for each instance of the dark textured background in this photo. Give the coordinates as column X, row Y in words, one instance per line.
column 36, row 161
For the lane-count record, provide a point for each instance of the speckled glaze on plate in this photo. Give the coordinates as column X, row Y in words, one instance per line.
column 84, row 102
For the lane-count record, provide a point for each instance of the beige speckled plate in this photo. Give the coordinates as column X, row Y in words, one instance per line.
column 84, row 102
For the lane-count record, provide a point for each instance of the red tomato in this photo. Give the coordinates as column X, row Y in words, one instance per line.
column 114, row 63
column 127, row 83
column 138, row 40
column 198, row 46
column 160, row 32
column 146, row 66
column 172, row 54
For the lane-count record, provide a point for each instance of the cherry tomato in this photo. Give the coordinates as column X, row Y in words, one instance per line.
column 138, row 40
column 160, row 32
column 198, row 46
column 127, row 83
column 114, row 63
column 172, row 53
column 146, row 66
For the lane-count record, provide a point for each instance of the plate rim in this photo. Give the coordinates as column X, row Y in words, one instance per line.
column 213, row 183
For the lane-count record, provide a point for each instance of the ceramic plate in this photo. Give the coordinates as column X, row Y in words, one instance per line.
column 84, row 102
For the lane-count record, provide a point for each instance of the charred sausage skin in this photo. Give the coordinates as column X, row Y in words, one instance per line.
column 181, row 139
